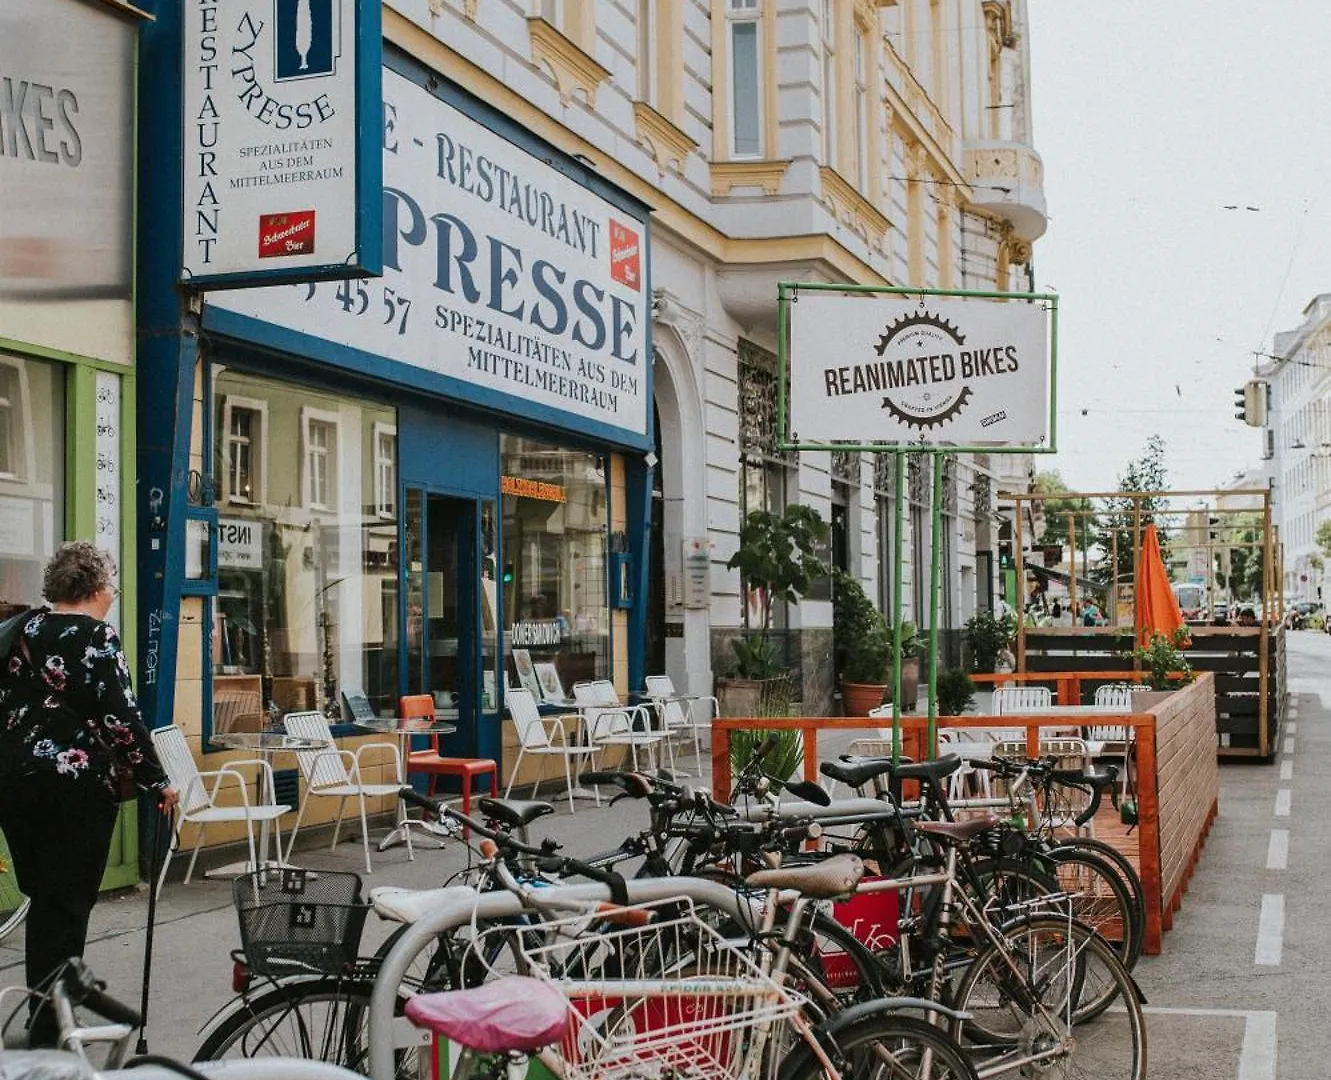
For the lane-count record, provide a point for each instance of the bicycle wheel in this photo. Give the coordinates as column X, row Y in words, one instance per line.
column 13, row 904
column 1122, row 866
column 1023, row 995
column 881, row 1045
column 324, row 1019
column 1099, row 899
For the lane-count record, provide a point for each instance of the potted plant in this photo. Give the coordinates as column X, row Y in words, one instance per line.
column 863, row 645
column 987, row 636
column 956, row 692
column 778, row 559
column 910, row 665
column 1161, row 657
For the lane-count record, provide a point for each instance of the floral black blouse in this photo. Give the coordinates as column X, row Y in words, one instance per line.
column 68, row 708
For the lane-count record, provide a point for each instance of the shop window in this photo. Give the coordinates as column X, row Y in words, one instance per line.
column 385, row 470
column 32, row 457
column 321, row 461
column 553, row 546
column 745, row 78
column 244, row 427
column 307, row 603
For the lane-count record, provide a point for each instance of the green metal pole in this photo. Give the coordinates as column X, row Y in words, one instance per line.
column 935, row 568
column 898, row 507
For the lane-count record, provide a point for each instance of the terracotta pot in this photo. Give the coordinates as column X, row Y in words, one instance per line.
column 858, row 698
column 738, row 697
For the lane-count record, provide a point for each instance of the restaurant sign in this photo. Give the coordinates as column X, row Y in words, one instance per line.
column 506, row 282
column 909, row 369
column 281, row 165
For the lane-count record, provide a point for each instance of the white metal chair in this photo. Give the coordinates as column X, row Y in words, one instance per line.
column 198, row 800
column 679, row 712
column 539, row 734
column 1114, row 740
column 607, row 722
column 326, row 772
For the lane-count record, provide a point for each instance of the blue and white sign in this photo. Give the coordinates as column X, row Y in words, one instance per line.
column 281, row 161
column 505, row 283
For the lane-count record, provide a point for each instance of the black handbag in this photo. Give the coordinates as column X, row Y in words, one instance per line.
column 10, row 630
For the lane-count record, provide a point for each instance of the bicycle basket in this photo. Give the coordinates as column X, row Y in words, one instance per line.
column 669, row 999
column 298, row 923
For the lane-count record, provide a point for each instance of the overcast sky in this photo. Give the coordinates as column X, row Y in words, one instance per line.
column 1151, row 117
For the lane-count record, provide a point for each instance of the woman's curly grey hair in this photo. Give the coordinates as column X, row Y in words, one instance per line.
column 77, row 572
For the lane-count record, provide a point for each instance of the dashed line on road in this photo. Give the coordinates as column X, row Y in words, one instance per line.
column 1277, row 851
column 1283, row 798
column 1257, row 1056
column 1289, row 744
column 1287, row 770
column 1292, row 726
column 1270, row 931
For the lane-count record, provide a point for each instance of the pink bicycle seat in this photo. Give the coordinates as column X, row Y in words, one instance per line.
column 513, row 1013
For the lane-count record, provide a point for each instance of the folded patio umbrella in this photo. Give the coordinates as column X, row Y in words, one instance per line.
column 1157, row 606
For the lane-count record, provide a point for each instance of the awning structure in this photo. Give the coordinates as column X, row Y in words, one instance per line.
column 1062, row 578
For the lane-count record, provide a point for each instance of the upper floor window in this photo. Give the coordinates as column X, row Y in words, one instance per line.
column 649, row 81
column 742, row 30
column 11, row 423
column 320, row 459
column 385, row 470
column 243, row 433
column 862, row 109
column 829, row 84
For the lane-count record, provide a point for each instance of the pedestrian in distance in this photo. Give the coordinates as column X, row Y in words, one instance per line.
column 1090, row 614
column 72, row 748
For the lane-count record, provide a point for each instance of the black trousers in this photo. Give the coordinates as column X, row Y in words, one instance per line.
column 59, row 836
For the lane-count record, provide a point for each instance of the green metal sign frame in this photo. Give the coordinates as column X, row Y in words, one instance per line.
column 787, row 291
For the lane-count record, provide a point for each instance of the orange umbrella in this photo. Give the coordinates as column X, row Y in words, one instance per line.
column 1157, row 606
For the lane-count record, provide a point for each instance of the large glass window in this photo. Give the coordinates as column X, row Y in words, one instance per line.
column 32, row 473
column 553, row 543
column 307, row 599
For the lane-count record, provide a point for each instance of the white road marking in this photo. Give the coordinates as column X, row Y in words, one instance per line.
column 1287, row 770
column 1257, row 1058
column 1270, row 931
column 1292, row 726
column 1277, row 851
column 1282, row 802
column 1289, row 744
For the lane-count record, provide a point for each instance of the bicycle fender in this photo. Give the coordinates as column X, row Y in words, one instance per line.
column 889, row 1005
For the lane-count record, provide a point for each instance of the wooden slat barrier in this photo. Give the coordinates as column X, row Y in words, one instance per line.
column 1177, row 781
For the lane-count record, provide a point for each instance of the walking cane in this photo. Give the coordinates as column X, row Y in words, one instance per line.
column 154, row 859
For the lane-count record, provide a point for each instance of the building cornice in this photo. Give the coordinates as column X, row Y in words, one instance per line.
column 573, row 70
column 669, row 145
column 766, row 174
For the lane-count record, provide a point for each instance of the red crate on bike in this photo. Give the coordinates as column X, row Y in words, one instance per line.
column 874, row 919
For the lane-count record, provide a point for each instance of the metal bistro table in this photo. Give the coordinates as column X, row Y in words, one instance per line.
column 263, row 744
column 404, row 729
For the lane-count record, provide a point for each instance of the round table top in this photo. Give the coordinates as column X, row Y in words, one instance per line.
column 415, row 725
column 266, row 741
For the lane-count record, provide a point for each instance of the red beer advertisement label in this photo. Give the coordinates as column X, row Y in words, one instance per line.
column 286, row 234
column 625, row 257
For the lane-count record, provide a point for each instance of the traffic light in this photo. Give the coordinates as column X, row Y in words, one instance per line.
column 1251, row 401
column 1005, row 553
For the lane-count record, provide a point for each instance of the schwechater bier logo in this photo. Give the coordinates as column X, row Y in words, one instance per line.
column 305, row 39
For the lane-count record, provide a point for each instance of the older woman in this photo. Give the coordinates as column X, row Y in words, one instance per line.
column 72, row 735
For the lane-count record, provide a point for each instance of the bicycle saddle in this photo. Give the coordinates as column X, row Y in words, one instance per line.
column 515, row 813
column 928, row 770
column 823, row 880
column 857, row 771
column 515, row 1013
column 958, row 831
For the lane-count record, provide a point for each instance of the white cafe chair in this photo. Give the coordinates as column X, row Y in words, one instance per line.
column 198, row 800
column 326, row 772
column 678, row 713
column 539, row 734
column 607, row 722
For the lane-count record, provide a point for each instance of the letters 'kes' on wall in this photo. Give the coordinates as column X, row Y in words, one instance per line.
column 66, row 176
column 515, row 284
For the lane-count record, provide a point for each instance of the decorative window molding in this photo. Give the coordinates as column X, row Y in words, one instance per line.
column 728, row 175
column 245, row 447
column 757, row 405
column 846, row 466
column 572, row 69
column 851, row 208
column 669, row 145
column 884, row 474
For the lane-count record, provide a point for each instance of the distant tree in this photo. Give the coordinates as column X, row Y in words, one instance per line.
column 1145, row 474
column 1323, row 537
column 1058, row 505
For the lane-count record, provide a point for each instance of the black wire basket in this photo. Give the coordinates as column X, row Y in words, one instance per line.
column 295, row 922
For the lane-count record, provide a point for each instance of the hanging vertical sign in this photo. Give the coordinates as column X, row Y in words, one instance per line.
column 282, row 170
column 108, row 473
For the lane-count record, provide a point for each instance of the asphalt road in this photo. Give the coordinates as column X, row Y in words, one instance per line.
column 1243, row 989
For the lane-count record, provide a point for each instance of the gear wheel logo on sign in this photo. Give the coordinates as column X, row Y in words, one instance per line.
column 926, row 343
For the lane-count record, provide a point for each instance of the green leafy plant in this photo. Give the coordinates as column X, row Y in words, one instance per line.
column 781, row 761
column 757, row 657
column 911, row 641
column 987, row 635
column 956, row 692
column 1162, row 657
column 863, row 640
